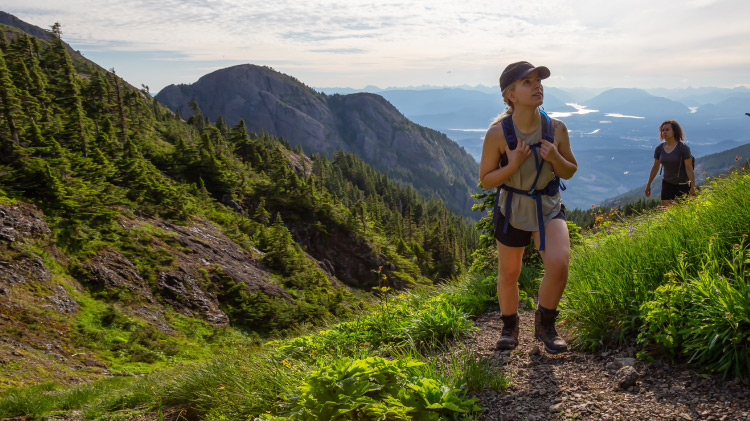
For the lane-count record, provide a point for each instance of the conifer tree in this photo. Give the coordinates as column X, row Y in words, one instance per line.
column 196, row 120
column 64, row 86
column 3, row 41
column 120, row 106
column 11, row 108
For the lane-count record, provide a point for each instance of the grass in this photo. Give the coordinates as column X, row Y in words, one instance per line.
column 615, row 274
column 673, row 280
column 417, row 331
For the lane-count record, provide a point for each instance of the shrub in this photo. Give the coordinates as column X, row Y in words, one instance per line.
column 375, row 388
column 704, row 319
column 437, row 322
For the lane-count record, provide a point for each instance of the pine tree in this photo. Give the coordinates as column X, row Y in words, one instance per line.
column 120, row 107
column 11, row 108
column 64, row 87
column 3, row 41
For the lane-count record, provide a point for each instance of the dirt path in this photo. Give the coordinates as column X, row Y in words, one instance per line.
column 577, row 385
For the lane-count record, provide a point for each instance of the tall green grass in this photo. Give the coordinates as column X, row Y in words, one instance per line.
column 613, row 275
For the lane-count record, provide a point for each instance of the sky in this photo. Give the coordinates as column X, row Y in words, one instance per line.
column 353, row 43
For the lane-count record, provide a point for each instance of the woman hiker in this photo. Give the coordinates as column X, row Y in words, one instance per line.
column 678, row 179
column 525, row 153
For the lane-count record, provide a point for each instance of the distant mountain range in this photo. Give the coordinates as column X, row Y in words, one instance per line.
column 613, row 132
column 363, row 123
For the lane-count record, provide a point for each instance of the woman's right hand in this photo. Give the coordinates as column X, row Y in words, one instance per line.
column 648, row 190
column 518, row 155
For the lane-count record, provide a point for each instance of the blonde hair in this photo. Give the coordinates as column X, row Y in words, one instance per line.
column 508, row 111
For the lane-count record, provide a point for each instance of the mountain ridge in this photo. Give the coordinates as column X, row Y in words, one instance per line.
column 363, row 123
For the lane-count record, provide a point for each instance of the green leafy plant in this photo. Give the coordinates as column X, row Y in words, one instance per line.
column 438, row 321
column 717, row 331
column 375, row 388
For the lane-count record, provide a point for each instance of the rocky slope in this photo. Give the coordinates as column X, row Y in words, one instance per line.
column 39, row 304
column 365, row 124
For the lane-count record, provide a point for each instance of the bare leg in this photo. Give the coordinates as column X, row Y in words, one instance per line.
column 509, row 269
column 556, row 258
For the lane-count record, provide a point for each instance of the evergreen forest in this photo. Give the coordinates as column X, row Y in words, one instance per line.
column 89, row 150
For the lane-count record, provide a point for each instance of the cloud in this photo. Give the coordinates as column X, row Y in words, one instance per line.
column 340, row 51
column 638, row 43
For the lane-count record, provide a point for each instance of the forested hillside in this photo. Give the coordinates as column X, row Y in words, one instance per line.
column 125, row 228
column 364, row 124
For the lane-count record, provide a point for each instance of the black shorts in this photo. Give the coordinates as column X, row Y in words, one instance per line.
column 516, row 237
column 671, row 191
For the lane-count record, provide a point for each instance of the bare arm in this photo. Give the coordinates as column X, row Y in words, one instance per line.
column 490, row 176
column 559, row 154
column 691, row 175
column 651, row 176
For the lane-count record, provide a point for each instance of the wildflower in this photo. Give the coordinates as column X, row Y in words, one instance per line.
column 592, row 205
column 736, row 157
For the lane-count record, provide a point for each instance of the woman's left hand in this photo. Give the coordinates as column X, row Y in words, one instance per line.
column 692, row 190
column 549, row 151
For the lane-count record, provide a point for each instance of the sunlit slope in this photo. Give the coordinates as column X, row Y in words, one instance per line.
column 675, row 279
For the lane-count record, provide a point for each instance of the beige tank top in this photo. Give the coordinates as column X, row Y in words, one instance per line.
column 523, row 208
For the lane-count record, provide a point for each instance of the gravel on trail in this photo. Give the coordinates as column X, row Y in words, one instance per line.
column 607, row 385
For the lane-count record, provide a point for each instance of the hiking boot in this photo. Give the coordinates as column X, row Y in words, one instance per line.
column 509, row 334
column 544, row 330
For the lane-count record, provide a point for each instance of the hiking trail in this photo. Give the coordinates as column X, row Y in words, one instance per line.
column 609, row 384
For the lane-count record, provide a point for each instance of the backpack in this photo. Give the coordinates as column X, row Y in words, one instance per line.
column 548, row 134
column 680, row 145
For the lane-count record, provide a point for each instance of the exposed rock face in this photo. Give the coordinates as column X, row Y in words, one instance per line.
column 365, row 124
column 20, row 224
column 21, row 220
column 267, row 101
column 188, row 284
column 30, row 332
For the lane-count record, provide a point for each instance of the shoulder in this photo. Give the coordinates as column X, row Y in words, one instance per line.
column 659, row 147
column 556, row 122
column 684, row 148
column 495, row 133
column 561, row 131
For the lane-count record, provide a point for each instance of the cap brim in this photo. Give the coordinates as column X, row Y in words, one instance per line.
column 544, row 72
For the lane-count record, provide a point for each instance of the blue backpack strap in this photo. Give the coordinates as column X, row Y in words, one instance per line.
column 548, row 129
column 510, row 138
column 511, row 141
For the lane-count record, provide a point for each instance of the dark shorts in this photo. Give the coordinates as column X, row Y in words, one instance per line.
column 671, row 191
column 516, row 237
